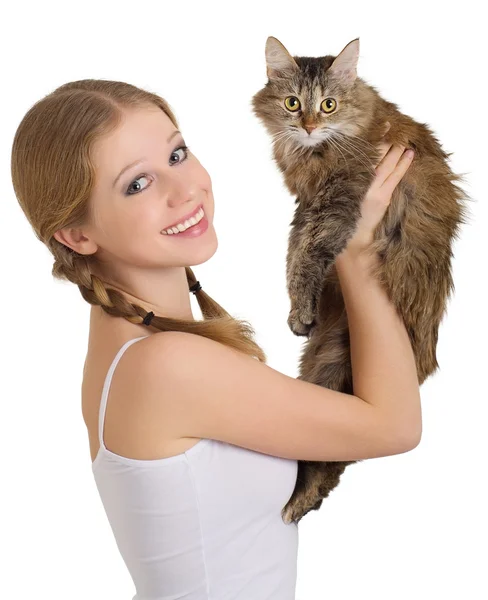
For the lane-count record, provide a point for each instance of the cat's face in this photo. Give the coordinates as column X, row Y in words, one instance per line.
column 310, row 100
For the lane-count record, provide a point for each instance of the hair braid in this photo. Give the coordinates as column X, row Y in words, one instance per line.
column 53, row 176
column 76, row 268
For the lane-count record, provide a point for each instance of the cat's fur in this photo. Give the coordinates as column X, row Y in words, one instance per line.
column 329, row 175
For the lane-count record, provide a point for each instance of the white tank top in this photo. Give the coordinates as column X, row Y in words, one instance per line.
column 202, row 525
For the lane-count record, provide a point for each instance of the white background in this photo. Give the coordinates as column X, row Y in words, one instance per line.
column 401, row 527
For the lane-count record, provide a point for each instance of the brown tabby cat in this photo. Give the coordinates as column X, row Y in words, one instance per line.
column 326, row 123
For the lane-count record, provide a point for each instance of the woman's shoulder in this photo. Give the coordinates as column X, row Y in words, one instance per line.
column 135, row 400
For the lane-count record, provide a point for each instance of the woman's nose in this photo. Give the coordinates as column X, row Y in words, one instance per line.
column 180, row 189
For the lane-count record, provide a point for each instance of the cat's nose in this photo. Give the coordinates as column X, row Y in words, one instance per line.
column 309, row 128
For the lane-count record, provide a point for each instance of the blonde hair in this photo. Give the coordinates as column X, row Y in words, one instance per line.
column 53, row 175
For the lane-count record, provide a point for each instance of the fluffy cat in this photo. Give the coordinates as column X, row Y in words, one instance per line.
column 325, row 122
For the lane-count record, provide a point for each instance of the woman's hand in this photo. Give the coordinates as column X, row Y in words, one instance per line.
column 394, row 162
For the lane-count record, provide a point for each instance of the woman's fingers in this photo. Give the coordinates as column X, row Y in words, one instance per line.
column 393, row 164
column 398, row 172
column 388, row 163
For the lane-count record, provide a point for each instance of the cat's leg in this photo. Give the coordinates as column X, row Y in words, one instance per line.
column 418, row 280
column 326, row 362
column 303, row 280
column 313, row 246
column 315, row 481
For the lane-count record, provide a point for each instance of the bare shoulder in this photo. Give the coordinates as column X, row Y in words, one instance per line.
column 139, row 422
column 163, row 351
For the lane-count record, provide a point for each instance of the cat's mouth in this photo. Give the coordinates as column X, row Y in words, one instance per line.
column 314, row 144
column 311, row 141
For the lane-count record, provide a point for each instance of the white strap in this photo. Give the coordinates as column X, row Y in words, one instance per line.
column 106, row 386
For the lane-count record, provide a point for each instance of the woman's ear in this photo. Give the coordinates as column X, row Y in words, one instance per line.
column 76, row 240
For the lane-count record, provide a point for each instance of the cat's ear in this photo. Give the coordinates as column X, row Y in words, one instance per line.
column 279, row 61
column 344, row 67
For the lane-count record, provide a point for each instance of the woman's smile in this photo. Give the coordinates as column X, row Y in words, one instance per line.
column 192, row 227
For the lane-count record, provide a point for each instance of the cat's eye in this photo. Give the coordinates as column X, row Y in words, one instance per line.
column 328, row 105
column 292, row 103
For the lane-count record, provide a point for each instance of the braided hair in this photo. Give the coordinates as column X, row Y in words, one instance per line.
column 53, row 175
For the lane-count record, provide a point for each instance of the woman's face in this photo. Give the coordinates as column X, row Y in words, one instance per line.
column 133, row 203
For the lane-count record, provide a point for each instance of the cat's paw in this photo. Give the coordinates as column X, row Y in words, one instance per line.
column 300, row 321
column 288, row 515
column 297, row 508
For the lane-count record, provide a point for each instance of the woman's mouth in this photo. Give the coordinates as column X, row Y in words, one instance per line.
column 192, row 227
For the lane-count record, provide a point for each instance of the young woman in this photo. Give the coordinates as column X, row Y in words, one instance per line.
column 194, row 438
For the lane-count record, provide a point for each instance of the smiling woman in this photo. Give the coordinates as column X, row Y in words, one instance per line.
column 102, row 217
column 104, row 176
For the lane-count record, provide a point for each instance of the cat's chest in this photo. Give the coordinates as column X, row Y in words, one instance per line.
column 325, row 177
column 305, row 177
column 312, row 214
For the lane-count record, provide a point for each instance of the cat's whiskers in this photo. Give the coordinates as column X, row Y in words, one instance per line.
column 335, row 144
column 294, row 146
column 348, row 139
column 367, row 166
column 351, row 147
column 302, row 149
column 282, row 133
column 289, row 140
column 361, row 139
column 283, row 139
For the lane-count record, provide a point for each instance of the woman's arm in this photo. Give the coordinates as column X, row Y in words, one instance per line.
column 383, row 364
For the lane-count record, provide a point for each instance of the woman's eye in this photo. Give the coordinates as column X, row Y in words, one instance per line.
column 131, row 191
column 184, row 149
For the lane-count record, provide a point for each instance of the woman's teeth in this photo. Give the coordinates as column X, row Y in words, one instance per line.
column 183, row 226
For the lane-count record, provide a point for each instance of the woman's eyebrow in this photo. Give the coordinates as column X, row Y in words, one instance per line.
column 136, row 162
